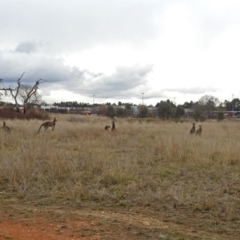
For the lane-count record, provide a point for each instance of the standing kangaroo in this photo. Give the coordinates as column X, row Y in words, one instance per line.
column 113, row 126
column 6, row 128
column 192, row 129
column 46, row 125
column 199, row 131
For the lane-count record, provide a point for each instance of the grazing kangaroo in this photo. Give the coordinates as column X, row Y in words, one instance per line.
column 199, row 131
column 113, row 126
column 192, row 129
column 46, row 125
column 6, row 128
column 107, row 127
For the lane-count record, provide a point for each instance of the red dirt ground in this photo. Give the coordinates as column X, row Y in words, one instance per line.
column 40, row 229
column 22, row 222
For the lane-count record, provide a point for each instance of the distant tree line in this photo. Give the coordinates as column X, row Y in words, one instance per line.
column 206, row 107
column 72, row 104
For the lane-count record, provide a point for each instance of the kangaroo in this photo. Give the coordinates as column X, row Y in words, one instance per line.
column 199, row 131
column 107, row 127
column 113, row 126
column 6, row 128
column 192, row 129
column 46, row 125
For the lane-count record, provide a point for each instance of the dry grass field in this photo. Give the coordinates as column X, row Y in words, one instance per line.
column 179, row 186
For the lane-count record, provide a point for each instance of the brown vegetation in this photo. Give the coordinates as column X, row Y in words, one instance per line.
column 11, row 113
column 151, row 166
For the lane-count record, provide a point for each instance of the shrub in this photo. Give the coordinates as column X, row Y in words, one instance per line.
column 220, row 116
column 11, row 113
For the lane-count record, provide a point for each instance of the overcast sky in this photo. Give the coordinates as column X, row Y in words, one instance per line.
column 117, row 50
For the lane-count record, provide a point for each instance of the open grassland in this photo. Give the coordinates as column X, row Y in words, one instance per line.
column 146, row 163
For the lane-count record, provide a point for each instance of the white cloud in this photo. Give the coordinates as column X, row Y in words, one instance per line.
column 184, row 49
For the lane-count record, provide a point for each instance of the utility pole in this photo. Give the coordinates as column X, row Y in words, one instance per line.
column 142, row 98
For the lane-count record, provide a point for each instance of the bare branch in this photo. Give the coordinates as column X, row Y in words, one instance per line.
column 19, row 85
column 21, row 76
column 15, row 92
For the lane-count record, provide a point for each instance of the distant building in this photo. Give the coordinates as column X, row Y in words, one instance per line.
column 188, row 113
column 135, row 110
column 67, row 110
column 152, row 111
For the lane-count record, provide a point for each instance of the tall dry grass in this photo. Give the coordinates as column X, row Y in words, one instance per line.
column 145, row 162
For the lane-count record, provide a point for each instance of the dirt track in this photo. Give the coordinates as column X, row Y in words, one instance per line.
column 35, row 223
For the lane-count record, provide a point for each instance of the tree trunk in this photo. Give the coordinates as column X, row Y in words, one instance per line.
column 24, row 108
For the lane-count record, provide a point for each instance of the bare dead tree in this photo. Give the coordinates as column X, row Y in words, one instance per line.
column 30, row 93
column 15, row 92
column 26, row 98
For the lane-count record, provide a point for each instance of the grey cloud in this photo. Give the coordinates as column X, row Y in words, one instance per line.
column 26, row 47
column 128, row 77
column 29, row 46
column 124, row 82
column 12, row 65
column 35, row 33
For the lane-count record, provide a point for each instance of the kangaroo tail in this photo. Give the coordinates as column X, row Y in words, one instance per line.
column 39, row 129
